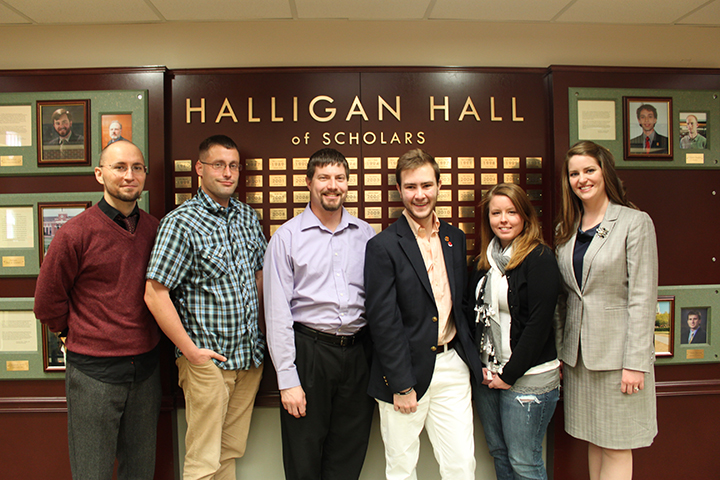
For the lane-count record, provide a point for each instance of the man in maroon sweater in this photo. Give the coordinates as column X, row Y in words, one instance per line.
column 91, row 285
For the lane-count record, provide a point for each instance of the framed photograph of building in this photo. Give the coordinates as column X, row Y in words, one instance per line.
column 63, row 132
column 52, row 216
column 53, row 350
column 665, row 326
column 647, row 128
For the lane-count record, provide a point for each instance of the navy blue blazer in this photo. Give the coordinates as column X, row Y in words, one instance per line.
column 401, row 310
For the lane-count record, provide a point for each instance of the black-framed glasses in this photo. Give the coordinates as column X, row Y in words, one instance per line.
column 121, row 168
column 221, row 166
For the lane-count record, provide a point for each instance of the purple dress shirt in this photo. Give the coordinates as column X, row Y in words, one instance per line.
column 314, row 277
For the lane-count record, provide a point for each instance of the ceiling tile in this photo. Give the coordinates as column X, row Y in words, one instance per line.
column 498, row 11
column 626, row 12
column 85, row 11
column 223, row 10
column 362, row 10
column 8, row 16
column 707, row 15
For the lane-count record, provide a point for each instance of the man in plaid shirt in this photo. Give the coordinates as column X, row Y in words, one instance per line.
column 203, row 280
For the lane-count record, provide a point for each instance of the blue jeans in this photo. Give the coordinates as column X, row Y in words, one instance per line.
column 514, row 425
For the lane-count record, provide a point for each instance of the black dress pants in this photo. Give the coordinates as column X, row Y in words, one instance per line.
column 330, row 442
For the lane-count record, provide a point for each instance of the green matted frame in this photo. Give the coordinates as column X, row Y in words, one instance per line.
column 133, row 102
column 682, row 101
column 702, row 297
column 33, row 359
column 31, row 255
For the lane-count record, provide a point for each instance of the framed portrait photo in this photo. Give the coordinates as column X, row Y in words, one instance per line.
column 693, row 134
column 115, row 127
column 694, row 326
column 665, row 326
column 63, row 133
column 52, row 216
column 647, row 128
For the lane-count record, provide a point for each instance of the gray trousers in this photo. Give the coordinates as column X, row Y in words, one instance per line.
column 107, row 420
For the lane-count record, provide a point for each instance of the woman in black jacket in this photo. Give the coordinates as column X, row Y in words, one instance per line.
column 515, row 282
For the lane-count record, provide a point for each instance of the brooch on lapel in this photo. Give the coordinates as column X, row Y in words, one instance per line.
column 447, row 239
column 602, row 232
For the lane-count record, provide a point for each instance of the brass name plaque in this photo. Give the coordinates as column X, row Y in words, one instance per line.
column 466, row 195
column 259, row 213
column 352, row 196
column 373, row 196
column 301, row 197
column 466, row 179
column 392, row 179
column 511, row 178
column 534, row 195
column 352, row 211
column 277, row 164
column 446, row 179
column 488, row 178
column 470, row 242
column 444, row 162
column 273, row 229
column 373, row 179
column 300, row 163
column 183, row 182
column 377, row 227
column 10, row 262
column 277, row 180
column 533, row 162
column 373, row 212
column 254, row 197
column 372, row 163
column 17, row 365
column 254, row 181
column 353, row 180
column 467, row 212
column 182, row 197
column 443, row 212
column 278, row 214
column 533, row 178
column 695, row 353
column 11, row 161
column 278, row 197
column 392, row 162
column 253, row 164
column 183, row 165
column 445, row 196
column 352, row 162
column 297, row 211
column 511, row 162
column 394, row 196
column 468, row 228
column 395, row 212
column 466, row 162
column 488, row 162
column 299, row 180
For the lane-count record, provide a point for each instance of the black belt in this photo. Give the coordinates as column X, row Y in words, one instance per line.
column 339, row 340
column 447, row 347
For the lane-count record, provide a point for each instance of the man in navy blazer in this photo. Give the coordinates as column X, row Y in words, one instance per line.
column 415, row 273
column 695, row 332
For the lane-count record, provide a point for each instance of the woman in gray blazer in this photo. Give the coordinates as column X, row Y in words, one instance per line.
column 607, row 255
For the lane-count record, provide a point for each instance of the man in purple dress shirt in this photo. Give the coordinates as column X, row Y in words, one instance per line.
column 315, row 316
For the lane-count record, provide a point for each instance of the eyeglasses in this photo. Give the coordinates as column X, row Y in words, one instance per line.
column 121, row 168
column 221, row 166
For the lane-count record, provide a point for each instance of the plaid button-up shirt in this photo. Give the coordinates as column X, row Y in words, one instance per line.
column 207, row 255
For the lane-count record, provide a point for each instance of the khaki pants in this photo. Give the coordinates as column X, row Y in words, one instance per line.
column 218, row 407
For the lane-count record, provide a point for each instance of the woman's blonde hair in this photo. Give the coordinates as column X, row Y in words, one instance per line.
column 523, row 244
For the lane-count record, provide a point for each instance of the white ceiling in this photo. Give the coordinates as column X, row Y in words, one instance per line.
column 640, row 12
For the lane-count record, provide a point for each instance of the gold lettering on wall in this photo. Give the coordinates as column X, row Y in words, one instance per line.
column 226, row 111
column 445, row 107
column 493, row 117
column 189, row 110
column 515, row 116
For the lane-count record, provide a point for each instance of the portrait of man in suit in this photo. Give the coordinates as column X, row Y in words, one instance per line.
column 62, row 131
column 650, row 141
column 695, row 333
column 115, row 132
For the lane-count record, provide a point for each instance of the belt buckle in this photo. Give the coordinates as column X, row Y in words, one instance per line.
column 345, row 340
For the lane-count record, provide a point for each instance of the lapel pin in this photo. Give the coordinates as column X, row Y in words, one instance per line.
column 602, row 232
column 447, row 239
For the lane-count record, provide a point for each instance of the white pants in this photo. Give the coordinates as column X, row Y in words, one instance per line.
column 446, row 411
